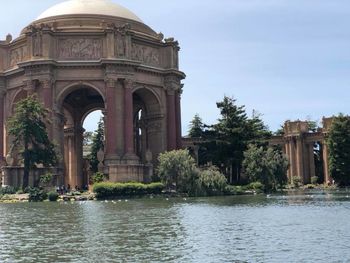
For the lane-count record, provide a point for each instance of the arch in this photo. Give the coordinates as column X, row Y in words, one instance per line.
column 76, row 86
column 19, row 95
column 92, row 109
column 150, row 99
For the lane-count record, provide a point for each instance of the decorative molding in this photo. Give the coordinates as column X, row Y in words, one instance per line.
column 146, row 54
column 80, row 48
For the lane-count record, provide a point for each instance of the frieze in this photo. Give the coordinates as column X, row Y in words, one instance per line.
column 18, row 55
column 81, row 49
column 147, row 55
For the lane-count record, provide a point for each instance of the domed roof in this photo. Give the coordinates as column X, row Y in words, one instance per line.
column 89, row 7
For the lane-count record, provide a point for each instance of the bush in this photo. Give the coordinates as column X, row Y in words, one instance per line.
column 296, row 181
column 256, row 186
column 314, row 180
column 211, row 181
column 233, row 190
column 37, row 194
column 97, row 178
column 52, row 196
column 7, row 190
column 110, row 190
column 177, row 169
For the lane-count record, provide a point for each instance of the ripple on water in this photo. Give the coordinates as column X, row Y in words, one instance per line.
column 289, row 228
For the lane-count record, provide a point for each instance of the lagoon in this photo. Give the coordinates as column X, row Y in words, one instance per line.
column 311, row 226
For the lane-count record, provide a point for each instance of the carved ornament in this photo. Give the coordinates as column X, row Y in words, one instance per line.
column 81, row 49
column 145, row 54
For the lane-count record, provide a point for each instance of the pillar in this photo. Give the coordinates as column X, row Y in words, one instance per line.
column 2, row 95
column 311, row 161
column 47, row 98
column 111, row 136
column 327, row 178
column 178, row 119
column 291, row 158
column 300, row 160
column 171, row 119
column 128, row 121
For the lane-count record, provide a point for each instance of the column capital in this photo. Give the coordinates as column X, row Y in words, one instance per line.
column 46, row 83
column 110, row 83
column 128, row 83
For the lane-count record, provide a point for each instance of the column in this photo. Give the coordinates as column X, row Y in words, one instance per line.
column 111, row 136
column 291, row 158
column 178, row 119
column 47, row 98
column 2, row 94
column 300, row 159
column 311, row 161
column 287, row 153
column 171, row 119
column 128, row 121
column 327, row 178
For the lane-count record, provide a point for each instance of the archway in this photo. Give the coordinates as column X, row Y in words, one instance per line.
column 148, row 125
column 77, row 103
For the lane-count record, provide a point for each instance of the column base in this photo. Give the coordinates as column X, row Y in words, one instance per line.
column 123, row 173
column 130, row 158
column 112, row 159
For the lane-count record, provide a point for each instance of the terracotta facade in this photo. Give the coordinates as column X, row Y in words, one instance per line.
column 79, row 63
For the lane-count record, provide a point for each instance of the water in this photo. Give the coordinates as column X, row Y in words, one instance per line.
column 300, row 227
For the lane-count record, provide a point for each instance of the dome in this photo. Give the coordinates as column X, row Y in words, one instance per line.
column 89, row 7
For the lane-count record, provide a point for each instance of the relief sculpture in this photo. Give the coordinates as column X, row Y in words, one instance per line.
column 147, row 55
column 17, row 55
column 80, row 49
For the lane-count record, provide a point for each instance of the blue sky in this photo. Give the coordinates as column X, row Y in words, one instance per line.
column 287, row 59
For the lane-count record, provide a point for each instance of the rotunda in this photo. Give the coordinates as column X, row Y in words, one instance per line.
column 83, row 55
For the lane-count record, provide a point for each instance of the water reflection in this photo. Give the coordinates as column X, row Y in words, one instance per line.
column 294, row 227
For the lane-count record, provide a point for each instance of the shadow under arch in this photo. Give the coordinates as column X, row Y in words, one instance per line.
column 76, row 102
column 74, row 87
column 149, row 139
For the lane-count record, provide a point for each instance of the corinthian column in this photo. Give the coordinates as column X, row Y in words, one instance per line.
column 128, row 121
column 171, row 119
column 47, row 98
column 2, row 94
column 178, row 119
column 111, row 129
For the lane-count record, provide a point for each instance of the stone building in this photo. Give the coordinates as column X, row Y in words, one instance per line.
column 299, row 143
column 81, row 56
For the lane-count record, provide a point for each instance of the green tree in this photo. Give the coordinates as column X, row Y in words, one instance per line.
column 27, row 126
column 266, row 166
column 196, row 127
column 177, row 169
column 97, row 145
column 338, row 141
column 229, row 138
column 211, row 181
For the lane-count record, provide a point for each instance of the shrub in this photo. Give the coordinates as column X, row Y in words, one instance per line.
column 97, row 178
column 296, row 181
column 52, row 196
column 233, row 190
column 37, row 194
column 211, row 181
column 314, row 180
column 8, row 190
column 110, row 190
column 45, row 179
column 178, row 169
column 257, row 186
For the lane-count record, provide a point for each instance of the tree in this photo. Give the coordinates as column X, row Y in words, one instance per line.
column 229, row 138
column 266, row 166
column 97, row 145
column 338, row 142
column 87, row 138
column 177, row 169
column 196, row 127
column 27, row 126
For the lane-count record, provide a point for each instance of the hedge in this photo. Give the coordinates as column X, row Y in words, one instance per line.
column 110, row 190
